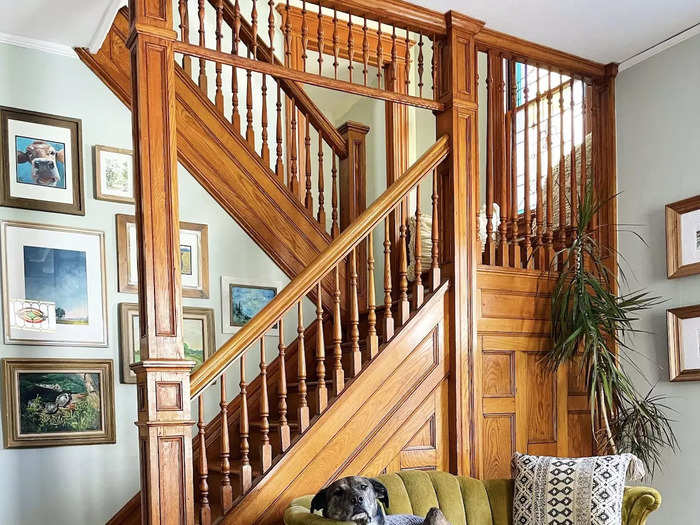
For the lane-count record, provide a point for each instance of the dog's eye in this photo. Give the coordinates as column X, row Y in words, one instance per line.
column 363, row 487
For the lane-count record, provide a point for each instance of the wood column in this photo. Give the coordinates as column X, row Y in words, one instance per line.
column 352, row 172
column 163, row 375
column 459, row 197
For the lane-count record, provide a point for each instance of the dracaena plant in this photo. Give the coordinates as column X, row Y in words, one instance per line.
column 591, row 329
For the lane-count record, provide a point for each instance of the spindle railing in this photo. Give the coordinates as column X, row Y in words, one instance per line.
column 247, row 450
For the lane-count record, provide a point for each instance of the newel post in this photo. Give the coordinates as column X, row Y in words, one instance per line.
column 163, row 375
column 458, row 189
column 352, row 177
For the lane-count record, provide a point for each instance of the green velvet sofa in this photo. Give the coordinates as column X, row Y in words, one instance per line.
column 464, row 501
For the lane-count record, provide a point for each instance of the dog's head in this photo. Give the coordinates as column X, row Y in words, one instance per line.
column 351, row 499
column 44, row 159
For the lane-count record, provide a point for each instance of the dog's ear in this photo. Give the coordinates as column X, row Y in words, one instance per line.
column 22, row 157
column 320, row 501
column 381, row 492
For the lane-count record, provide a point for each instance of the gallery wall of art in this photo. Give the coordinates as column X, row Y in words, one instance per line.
column 85, row 483
column 658, row 165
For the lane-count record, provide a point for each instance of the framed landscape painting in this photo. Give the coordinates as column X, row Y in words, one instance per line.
column 197, row 334
column 194, row 257
column 114, row 174
column 54, row 402
column 683, row 237
column 53, row 285
column 41, row 162
column 241, row 299
column 684, row 343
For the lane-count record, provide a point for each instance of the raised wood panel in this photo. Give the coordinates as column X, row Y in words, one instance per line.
column 580, row 438
column 541, row 394
column 498, row 374
column 499, row 445
column 504, row 305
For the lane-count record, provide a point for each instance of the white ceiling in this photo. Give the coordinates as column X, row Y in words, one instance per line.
column 601, row 30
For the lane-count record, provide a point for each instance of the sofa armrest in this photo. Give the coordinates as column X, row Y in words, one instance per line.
column 298, row 514
column 638, row 503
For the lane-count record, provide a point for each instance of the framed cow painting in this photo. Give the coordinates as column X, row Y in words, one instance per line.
column 41, row 162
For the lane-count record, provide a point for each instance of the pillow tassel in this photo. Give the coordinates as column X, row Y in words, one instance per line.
column 636, row 470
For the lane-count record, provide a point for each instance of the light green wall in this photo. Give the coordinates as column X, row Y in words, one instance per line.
column 87, row 484
column 658, row 145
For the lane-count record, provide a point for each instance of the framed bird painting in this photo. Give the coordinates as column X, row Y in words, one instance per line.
column 55, row 402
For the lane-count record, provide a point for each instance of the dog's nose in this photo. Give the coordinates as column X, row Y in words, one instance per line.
column 357, row 499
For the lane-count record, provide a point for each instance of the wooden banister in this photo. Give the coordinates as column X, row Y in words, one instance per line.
column 307, row 279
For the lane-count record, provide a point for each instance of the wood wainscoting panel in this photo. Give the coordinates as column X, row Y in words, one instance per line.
column 523, row 406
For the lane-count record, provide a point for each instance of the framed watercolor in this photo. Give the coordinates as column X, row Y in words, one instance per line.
column 114, row 174
column 683, row 237
column 197, row 334
column 684, row 343
column 194, row 257
column 59, row 271
column 54, row 402
column 41, row 162
column 241, row 299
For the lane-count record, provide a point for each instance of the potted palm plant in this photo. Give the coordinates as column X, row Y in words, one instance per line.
column 591, row 325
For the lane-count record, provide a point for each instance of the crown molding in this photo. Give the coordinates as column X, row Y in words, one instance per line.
column 39, row 45
column 660, row 47
column 105, row 24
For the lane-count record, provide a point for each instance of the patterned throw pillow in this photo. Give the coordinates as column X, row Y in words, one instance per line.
column 571, row 491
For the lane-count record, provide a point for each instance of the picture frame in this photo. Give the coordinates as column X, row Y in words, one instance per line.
column 198, row 329
column 194, row 253
column 114, row 174
column 683, row 237
column 57, row 402
column 61, row 270
column 684, row 343
column 41, row 162
column 252, row 297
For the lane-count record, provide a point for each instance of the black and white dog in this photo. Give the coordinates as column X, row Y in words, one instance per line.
column 357, row 499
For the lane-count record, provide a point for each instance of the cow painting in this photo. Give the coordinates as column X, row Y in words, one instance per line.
column 40, row 162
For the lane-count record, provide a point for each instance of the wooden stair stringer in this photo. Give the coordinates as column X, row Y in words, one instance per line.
column 408, row 368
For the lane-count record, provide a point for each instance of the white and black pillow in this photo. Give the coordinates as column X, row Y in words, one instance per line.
column 571, row 491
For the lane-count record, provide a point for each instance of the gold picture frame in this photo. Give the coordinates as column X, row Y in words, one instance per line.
column 191, row 315
column 108, row 153
column 680, row 240
column 45, row 399
column 195, row 285
column 680, row 366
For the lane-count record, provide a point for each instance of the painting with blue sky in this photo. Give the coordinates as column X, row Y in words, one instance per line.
column 59, row 276
column 24, row 169
column 246, row 301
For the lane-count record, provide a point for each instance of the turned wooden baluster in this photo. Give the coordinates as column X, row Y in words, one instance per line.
column 388, row 316
column 185, row 34
column 265, row 149
column 404, row 309
column 285, row 435
column 202, row 80
column 304, row 36
column 407, row 63
column 418, row 289
column 572, row 154
column 549, row 234
column 303, row 410
column 539, row 219
column 321, row 217
column 244, row 430
column 225, row 463
column 235, row 116
column 266, row 447
column 279, row 165
column 355, row 355
column 271, row 28
column 365, row 51
column 294, row 179
column 514, row 254
column 338, row 372
column 502, row 253
column 527, row 243
column 254, row 29
column 320, row 37
column 393, row 56
column 372, row 337
column 420, row 65
column 308, row 198
column 335, row 229
column 435, row 238
column 562, row 168
column 336, row 43
column 434, row 66
column 505, row 212
column 204, row 508
column 380, row 55
column 489, row 255
column 287, row 36
column 321, row 390
column 249, row 132
column 351, row 43
column 219, row 96
column 584, row 169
